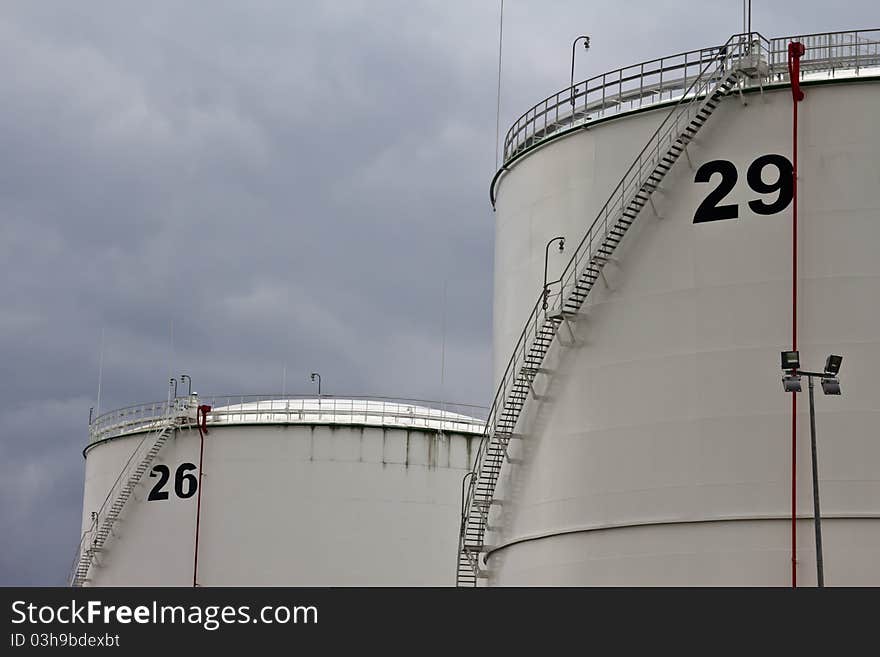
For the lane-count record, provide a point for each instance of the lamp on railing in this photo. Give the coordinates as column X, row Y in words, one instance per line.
column 573, row 90
column 189, row 383
column 314, row 376
column 546, row 287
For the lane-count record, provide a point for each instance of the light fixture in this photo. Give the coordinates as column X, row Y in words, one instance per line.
column 832, row 364
column 791, row 360
column 573, row 88
column 547, row 285
column 791, row 383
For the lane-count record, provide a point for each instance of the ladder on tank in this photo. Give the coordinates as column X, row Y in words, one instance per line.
column 740, row 57
column 94, row 538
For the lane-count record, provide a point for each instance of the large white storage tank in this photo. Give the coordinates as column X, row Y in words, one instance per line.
column 322, row 491
column 654, row 443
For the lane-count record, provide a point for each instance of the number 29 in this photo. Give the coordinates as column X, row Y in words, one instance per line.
column 710, row 210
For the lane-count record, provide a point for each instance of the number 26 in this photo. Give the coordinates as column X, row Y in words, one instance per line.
column 185, row 483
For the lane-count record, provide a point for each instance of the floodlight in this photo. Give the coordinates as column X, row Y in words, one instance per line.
column 791, row 383
column 832, row 365
column 831, row 386
column 791, row 360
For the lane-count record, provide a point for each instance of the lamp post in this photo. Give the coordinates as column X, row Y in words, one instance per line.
column 547, row 285
column 573, row 90
column 791, row 382
column 817, row 516
column 314, row 376
column 189, row 383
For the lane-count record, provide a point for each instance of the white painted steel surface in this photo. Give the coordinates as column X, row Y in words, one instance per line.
column 368, row 494
column 658, row 449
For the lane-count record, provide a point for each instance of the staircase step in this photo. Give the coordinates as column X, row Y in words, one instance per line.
column 696, row 111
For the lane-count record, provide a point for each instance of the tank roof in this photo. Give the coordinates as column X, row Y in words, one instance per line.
column 229, row 410
column 850, row 54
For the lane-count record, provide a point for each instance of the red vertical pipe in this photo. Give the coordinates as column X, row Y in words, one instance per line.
column 794, row 282
column 795, row 51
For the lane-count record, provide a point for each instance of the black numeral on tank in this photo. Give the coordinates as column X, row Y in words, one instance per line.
column 782, row 186
column 163, row 473
column 185, row 483
column 709, row 209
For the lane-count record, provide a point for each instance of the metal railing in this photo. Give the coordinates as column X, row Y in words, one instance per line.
column 828, row 52
column 128, row 419
column 276, row 409
column 665, row 79
column 742, row 54
column 622, row 90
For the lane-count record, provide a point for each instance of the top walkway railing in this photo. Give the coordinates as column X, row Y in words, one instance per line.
column 665, row 79
column 299, row 409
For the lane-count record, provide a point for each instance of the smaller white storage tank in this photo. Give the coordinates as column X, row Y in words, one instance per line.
column 317, row 491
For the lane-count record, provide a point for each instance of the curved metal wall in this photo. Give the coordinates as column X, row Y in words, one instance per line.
column 297, row 505
column 655, row 449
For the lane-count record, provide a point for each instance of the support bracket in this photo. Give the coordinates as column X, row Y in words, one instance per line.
column 654, row 207
column 571, row 335
column 535, row 392
column 616, row 263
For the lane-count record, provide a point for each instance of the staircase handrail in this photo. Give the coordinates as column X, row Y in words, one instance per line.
column 114, row 492
column 738, row 46
column 668, row 126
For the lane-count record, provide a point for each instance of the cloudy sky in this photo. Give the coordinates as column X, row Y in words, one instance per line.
column 231, row 188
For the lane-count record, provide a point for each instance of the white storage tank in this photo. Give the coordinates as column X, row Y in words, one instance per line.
column 318, row 491
column 652, row 443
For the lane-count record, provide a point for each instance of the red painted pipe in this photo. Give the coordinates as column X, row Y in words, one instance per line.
column 795, row 52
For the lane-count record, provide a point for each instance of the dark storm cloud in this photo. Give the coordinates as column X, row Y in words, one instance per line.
column 287, row 183
column 289, row 186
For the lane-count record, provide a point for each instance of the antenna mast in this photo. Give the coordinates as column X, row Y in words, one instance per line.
column 100, row 373
column 747, row 16
column 498, row 106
